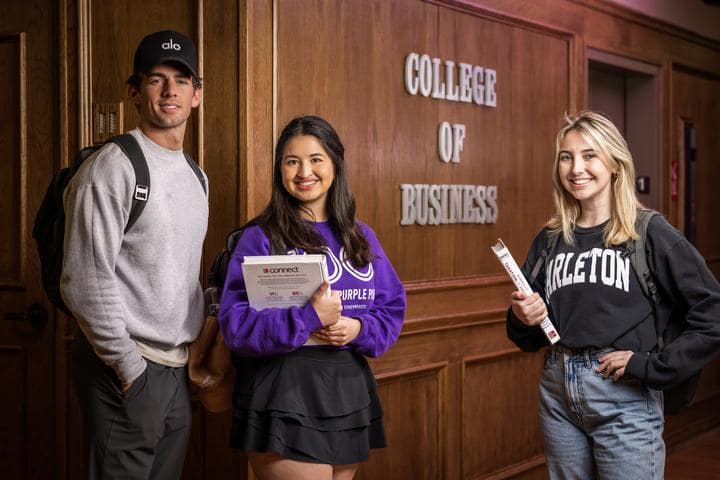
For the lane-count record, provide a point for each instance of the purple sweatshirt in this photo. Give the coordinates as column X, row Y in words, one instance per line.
column 372, row 294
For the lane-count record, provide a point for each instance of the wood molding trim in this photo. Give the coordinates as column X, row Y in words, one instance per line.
column 514, row 470
column 638, row 18
column 627, row 62
column 438, row 323
column 84, row 63
column 62, row 339
column 63, row 56
column 668, row 136
column 23, row 119
column 576, row 92
column 678, row 65
column 441, row 285
column 257, row 44
column 199, row 15
column 420, row 370
column 468, row 6
column 496, row 355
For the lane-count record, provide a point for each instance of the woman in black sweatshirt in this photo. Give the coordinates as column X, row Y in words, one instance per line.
column 601, row 410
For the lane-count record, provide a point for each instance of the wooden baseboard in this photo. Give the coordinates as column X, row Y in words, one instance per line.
column 696, row 419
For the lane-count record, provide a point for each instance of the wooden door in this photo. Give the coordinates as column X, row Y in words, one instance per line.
column 27, row 131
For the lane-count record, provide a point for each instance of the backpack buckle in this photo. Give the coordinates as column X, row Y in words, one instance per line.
column 141, row 192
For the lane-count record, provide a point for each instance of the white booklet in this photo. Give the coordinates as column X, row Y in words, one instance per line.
column 521, row 283
column 283, row 281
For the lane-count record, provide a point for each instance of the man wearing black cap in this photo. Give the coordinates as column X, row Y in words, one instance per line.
column 135, row 292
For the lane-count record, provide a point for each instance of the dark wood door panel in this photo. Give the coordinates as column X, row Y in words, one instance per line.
column 27, row 150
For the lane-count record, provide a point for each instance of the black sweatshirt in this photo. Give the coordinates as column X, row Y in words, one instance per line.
column 595, row 300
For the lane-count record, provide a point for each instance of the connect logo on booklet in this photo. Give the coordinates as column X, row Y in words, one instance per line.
column 294, row 269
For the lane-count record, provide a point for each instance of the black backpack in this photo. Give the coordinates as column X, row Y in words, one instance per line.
column 49, row 226
column 669, row 322
column 218, row 269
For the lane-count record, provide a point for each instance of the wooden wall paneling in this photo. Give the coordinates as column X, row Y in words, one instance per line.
column 520, row 167
column 74, row 130
column 647, row 34
column 27, row 150
column 696, row 98
column 14, row 371
column 258, row 52
column 666, row 138
column 60, row 394
column 223, row 98
column 455, row 303
column 351, row 73
column 347, row 91
column 526, row 92
column 501, row 432
column 72, row 445
column 700, row 417
column 84, row 74
column 196, row 455
column 614, row 27
column 114, row 32
column 480, row 335
column 413, row 401
column 710, row 383
column 222, row 63
column 13, row 145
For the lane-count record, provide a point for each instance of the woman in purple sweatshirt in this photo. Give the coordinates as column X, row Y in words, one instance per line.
column 305, row 402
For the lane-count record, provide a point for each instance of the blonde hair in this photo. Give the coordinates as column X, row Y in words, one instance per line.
column 606, row 139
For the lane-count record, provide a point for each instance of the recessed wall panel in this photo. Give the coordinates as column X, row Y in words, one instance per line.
column 500, row 405
column 13, row 404
column 412, row 408
column 12, row 154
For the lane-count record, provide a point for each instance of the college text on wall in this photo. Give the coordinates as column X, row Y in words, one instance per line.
column 433, row 204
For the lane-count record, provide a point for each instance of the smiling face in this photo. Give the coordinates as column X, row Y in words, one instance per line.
column 584, row 172
column 308, row 172
column 165, row 100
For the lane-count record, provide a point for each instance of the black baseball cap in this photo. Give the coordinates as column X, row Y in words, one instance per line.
column 165, row 47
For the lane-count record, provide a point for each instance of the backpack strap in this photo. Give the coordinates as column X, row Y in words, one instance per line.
column 132, row 150
column 234, row 236
column 218, row 268
column 552, row 243
column 638, row 256
column 197, row 171
column 638, row 259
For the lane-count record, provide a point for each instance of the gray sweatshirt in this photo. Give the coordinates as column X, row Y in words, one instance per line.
column 143, row 285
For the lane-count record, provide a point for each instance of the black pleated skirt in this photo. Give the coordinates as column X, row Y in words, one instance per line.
column 314, row 405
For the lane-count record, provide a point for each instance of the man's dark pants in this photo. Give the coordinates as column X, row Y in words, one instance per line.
column 141, row 434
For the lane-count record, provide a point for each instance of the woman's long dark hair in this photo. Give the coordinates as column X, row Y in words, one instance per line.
column 282, row 221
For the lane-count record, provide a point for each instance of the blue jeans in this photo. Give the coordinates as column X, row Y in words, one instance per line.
column 597, row 428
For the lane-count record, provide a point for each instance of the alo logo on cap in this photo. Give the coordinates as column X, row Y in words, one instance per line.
column 170, row 45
